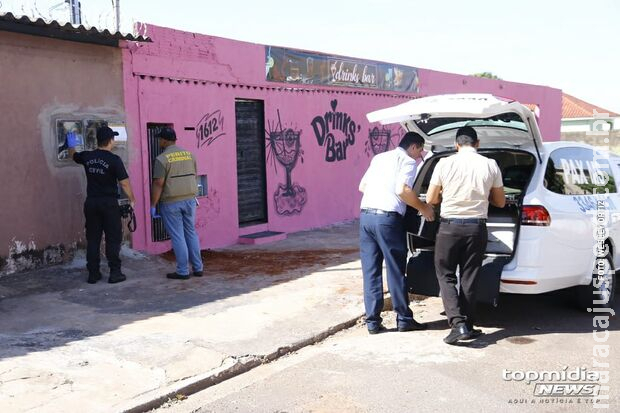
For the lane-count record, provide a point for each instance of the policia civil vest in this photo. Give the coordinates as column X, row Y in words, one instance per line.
column 178, row 169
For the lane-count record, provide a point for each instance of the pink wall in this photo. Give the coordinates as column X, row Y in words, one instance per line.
column 182, row 77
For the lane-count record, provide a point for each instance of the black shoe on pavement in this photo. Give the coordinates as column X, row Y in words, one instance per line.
column 458, row 332
column 475, row 333
column 93, row 278
column 117, row 278
column 197, row 273
column 175, row 276
column 415, row 326
column 377, row 330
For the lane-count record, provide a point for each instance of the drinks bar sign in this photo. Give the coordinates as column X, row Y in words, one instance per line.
column 345, row 73
column 297, row 66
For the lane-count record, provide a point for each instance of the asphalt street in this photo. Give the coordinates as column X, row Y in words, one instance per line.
column 416, row 372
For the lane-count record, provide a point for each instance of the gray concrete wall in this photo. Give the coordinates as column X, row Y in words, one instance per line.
column 611, row 139
column 41, row 217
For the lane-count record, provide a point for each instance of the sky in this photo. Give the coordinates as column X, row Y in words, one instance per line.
column 571, row 45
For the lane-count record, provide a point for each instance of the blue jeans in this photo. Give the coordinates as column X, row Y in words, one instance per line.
column 384, row 237
column 179, row 220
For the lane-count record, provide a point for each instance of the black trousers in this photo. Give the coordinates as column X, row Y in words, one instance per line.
column 103, row 215
column 461, row 245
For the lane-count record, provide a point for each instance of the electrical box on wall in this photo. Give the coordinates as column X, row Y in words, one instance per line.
column 63, row 128
column 85, row 128
column 201, row 180
column 86, row 131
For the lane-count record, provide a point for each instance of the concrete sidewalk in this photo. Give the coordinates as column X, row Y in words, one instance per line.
column 66, row 345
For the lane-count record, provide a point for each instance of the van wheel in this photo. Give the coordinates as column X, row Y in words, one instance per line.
column 602, row 289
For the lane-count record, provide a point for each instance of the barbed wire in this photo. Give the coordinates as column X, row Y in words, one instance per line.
column 36, row 9
column 101, row 16
column 60, row 11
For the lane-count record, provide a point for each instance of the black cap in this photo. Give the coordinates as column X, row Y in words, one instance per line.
column 168, row 134
column 104, row 134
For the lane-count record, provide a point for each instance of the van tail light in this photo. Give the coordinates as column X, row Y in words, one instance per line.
column 535, row 215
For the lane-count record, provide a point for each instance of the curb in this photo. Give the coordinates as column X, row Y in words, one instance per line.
column 237, row 366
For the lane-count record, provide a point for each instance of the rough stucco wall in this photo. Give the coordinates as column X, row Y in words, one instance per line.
column 42, row 203
column 609, row 139
column 183, row 77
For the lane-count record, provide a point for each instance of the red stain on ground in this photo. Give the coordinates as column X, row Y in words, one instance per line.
column 243, row 263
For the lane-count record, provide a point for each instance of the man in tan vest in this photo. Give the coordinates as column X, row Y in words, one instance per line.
column 175, row 187
column 465, row 184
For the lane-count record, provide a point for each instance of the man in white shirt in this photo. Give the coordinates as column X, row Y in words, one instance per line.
column 464, row 184
column 387, row 191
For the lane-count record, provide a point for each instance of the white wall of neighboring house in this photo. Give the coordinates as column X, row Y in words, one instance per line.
column 575, row 125
column 588, row 124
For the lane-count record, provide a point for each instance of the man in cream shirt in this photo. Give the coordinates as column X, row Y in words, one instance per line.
column 387, row 192
column 464, row 184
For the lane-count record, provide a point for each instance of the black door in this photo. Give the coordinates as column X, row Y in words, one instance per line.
column 251, row 176
column 158, row 232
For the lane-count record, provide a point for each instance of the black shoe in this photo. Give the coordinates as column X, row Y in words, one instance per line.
column 93, row 278
column 475, row 333
column 414, row 326
column 117, row 278
column 458, row 332
column 175, row 276
column 377, row 330
column 197, row 273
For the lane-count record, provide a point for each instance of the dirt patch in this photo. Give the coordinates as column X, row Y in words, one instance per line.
column 243, row 263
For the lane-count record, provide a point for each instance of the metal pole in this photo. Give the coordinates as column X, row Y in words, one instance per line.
column 76, row 13
column 118, row 15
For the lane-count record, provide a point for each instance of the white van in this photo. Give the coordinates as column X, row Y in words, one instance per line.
column 560, row 227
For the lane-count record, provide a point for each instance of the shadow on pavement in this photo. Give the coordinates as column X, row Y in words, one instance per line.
column 51, row 307
column 520, row 318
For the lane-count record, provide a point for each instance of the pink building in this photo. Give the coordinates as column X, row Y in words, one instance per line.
column 280, row 135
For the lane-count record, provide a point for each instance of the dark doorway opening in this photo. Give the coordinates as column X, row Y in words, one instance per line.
column 251, row 165
column 158, row 232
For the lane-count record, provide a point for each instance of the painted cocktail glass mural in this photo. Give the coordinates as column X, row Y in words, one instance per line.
column 284, row 147
column 379, row 140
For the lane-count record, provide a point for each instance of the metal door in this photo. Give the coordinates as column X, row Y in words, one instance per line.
column 251, row 174
column 158, row 232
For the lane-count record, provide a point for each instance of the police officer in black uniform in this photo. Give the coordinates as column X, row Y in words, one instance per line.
column 104, row 171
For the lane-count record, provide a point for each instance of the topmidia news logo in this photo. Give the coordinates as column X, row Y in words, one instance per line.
column 577, row 382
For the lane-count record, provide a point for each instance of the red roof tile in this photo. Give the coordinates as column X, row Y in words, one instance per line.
column 577, row 108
